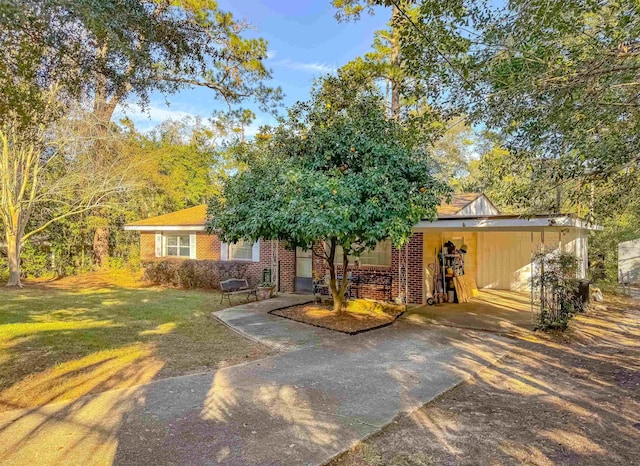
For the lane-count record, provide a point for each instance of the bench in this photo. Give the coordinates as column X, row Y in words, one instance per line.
column 373, row 281
column 236, row 286
column 321, row 287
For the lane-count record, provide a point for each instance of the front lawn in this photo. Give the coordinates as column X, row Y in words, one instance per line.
column 65, row 339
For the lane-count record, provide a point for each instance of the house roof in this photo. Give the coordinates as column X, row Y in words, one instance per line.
column 193, row 216
column 508, row 223
column 197, row 216
column 458, row 202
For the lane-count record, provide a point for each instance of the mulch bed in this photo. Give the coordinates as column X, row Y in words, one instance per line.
column 360, row 315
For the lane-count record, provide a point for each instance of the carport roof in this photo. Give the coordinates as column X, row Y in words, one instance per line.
column 509, row 222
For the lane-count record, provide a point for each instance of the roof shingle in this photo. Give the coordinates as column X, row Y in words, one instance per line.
column 197, row 216
column 193, row 216
column 458, row 202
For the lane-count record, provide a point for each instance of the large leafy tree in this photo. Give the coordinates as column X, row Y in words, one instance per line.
column 109, row 53
column 113, row 51
column 558, row 81
column 336, row 171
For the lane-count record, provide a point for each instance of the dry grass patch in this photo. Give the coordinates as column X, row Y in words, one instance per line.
column 360, row 315
column 64, row 339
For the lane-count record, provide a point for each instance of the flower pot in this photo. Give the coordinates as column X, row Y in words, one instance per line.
column 265, row 292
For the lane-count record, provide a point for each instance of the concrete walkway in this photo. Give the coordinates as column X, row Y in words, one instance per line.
column 320, row 396
column 254, row 321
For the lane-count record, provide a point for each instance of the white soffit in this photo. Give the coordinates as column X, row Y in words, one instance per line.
column 510, row 223
column 164, row 227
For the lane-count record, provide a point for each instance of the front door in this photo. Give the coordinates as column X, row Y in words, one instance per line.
column 304, row 276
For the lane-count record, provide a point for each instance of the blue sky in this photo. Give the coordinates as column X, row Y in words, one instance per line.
column 305, row 41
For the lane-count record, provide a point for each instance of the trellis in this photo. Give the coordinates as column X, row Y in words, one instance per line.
column 275, row 264
column 403, row 275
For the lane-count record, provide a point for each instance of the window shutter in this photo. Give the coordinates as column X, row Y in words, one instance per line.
column 224, row 251
column 192, row 246
column 158, row 244
column 255, row 252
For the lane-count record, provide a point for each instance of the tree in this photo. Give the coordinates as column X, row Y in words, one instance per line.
column 409, row 96
column 114, row 52
column 336, row 171
column 44, row 167
column 560, row 82
column 121, row 51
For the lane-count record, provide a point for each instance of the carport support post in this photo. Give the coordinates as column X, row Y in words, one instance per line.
column 403, row 275
column 275, row 273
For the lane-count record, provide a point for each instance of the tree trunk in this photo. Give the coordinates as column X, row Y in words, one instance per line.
column 103, row 109
column 337, row 291
column 101, row 246
column 338, row 303
column 13, row 256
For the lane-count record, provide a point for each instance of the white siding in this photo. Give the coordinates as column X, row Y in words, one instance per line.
column 504, row 258
column 480, row 207
column 629, row 261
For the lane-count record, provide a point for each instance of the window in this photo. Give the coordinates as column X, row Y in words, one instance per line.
column 379, row 256
column 241, row 251
column 177, row 245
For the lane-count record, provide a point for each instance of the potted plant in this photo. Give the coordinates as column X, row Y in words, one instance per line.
column 266, row 290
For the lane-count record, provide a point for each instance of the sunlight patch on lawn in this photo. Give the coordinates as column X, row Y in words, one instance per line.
column 574, row 441
column 123, row 367
column 62, row 313
column 10, row 331
column 161, row 329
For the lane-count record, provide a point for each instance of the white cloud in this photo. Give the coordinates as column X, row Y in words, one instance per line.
column 313, row 67
column 152, row 114
column 271, row 54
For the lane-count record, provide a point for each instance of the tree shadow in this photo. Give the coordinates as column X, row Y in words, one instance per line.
column 570, row 398
column 62, row 344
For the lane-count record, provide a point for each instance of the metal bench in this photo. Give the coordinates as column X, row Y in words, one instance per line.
column 381, row 282
column 235, row 286
column 321, row 287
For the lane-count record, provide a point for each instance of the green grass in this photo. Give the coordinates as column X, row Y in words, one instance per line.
column 62, row 341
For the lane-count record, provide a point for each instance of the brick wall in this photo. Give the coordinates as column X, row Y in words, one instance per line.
column 287, row 259
column 208, row 248
column 414, row 273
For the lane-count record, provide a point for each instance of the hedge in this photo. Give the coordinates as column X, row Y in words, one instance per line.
column 192, row 273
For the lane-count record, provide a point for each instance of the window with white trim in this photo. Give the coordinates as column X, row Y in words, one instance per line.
column 241, row 251
column 177, row 245
column 380, row 256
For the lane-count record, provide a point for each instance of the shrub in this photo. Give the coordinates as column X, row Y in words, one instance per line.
column 555, row 289
column 193, row 273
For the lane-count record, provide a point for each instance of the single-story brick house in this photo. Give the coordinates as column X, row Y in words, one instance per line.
column 498, row 247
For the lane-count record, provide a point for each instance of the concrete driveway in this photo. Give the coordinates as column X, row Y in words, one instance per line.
column 318, row 397
column 497, row 311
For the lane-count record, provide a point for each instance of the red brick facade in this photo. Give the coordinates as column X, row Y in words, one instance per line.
column 415, row 271
column 208, row 248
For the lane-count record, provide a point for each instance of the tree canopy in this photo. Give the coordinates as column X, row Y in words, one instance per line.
column 336, row 170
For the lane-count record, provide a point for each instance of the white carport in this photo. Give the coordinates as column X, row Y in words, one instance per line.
column 500, row 247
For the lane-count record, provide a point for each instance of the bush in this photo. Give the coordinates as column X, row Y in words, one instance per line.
column 193, row 273
column 555, row 289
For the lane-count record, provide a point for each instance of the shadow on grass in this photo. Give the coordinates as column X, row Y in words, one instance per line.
column 59, row 344
column 570, row 398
